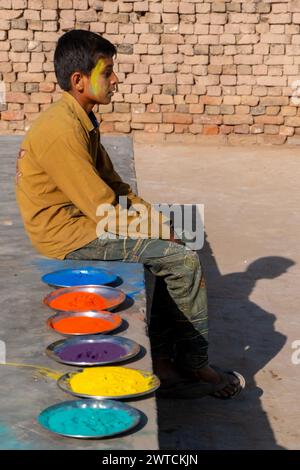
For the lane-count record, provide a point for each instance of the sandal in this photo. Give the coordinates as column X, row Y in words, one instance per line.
column 190, row 389
column 225, row 376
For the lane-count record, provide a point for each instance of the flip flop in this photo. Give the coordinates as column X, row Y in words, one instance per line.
column 189, row 389
column 224, row 374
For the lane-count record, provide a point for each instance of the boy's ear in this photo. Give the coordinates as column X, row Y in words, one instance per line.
column 77, row 81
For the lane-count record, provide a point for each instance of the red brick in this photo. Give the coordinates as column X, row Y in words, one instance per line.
column 166, row 128
column 271, row 129
column 171, row 7
column 272, row 110
column 149, row 39
column 170, row 108
column 137, row 78
column 166, row 78
column 15, row 97
column 177, row 118
column 274, row 100
column 122, row 117
column 242, row 129
column 138, row 108
column 205, row 119
column 196, row 128
column 210, row 130
column 181, row 128
column 123, row 127
column 172, row 39
column 151, row 127
column 147, row 117
column 226, row 129
column 12, row 115
column 196, row 108
column 293, row 121
column 30, row 77
column 269, row 119
column 106, row 127
column 31, row 108
column 153, row 108
column 238, row 119
column 248, row 59
column 288, row 111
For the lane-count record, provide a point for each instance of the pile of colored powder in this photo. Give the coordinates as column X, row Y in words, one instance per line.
column 105, row 351
column 86, row 421
column 79, row 301
column 84, row 325
column 110, row 381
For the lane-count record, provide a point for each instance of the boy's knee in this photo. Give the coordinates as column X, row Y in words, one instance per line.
column 191, row 260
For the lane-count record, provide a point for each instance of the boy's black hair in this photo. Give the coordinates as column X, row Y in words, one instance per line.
column 79, row 50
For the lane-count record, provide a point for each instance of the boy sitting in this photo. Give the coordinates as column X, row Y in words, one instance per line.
column 65, row 177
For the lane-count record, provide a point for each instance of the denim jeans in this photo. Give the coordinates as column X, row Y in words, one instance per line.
column 178, row 322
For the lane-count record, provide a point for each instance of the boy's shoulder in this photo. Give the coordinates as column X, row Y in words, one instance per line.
column 56, row 121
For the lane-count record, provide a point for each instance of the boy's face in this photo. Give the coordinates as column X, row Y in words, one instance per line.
column 102, row 82
column 99, row 86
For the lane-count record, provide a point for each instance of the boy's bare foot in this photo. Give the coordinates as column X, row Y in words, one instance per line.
column 208, row 374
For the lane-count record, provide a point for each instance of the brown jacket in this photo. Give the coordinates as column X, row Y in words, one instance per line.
column 63, row 175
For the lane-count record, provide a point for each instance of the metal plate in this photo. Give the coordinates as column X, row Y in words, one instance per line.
column 64, row 384
column 84, row 276
column 131, row 349
column 97, row 406
column 112, row 295
column 115, row 320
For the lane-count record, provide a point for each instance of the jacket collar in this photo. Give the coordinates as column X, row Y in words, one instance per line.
column 88, row 121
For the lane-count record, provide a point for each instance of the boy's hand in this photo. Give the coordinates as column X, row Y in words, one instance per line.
column 173, row 239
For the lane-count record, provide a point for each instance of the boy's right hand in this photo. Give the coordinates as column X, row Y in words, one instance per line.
column 173, row 239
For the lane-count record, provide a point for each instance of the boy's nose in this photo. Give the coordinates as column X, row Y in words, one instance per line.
column 114, row 80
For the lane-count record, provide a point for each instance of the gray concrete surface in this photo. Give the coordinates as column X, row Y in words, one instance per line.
column 23, row 392
column 251, row 259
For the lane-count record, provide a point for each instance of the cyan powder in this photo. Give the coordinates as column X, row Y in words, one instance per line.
column 105, row 351
column 86, row 421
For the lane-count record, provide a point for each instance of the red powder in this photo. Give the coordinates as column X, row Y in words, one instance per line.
column 84, row 325
column 79, row 301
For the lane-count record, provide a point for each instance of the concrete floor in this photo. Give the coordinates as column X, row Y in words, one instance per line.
column 251, row 259
column 23, row 392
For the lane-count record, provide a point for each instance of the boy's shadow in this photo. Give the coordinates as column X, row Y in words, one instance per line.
column 242, row 336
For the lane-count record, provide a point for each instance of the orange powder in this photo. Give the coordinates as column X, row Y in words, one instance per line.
column 79, row 301
column 83, row 325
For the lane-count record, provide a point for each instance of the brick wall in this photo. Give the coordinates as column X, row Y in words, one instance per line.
column 190, row 70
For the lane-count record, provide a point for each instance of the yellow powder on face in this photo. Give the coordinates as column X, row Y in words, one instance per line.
column 111, row 381
column 96, row 72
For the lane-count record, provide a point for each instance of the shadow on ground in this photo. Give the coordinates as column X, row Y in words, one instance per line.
column 243, row 337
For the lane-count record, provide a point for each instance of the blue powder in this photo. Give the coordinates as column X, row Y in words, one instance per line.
column 87, row 422
column 79, row 277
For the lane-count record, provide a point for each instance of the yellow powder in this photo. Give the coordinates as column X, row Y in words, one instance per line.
column 111, row 381
column 44, row 371
column 96, row 72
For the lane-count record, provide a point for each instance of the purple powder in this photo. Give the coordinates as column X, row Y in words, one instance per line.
column 92, row 352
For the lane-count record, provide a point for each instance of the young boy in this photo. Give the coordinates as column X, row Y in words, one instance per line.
column 64, row 176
